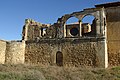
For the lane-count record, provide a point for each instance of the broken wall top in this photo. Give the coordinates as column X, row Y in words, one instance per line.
column 34, row 23
column 111, row 4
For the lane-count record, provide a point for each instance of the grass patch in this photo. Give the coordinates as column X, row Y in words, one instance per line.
column 27, row 72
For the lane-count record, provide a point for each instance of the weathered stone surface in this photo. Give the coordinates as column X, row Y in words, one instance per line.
column 84, row 54
column 42, row 42
column 33, row 30
column 2, row 51
column 74, row 53
column 38, row 53
column 113, row 37
column 80, row 54
column 15, row 52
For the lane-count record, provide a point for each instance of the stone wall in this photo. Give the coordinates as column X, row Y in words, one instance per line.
column 83, row 54
column 34, row 30
column 2, row 51
column 38, row 53
column 15, row 52
column 113, row 37
column 75, row 52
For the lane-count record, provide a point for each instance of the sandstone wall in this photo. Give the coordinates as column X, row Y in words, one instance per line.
column 75, row 53
column 113, row 35
column 15, row 52
column 38, row 53
column 2, row 51
column 84, row 54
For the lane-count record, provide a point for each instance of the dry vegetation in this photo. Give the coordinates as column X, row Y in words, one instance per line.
column 27, row 72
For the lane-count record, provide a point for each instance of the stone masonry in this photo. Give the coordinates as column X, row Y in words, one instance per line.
column 69, row 45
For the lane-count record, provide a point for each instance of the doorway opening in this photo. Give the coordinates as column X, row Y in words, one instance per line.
column 59, row 58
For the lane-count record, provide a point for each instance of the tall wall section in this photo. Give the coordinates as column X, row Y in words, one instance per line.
column 2, row 51
column 113, row 35
column 86, row 52
column 15, row 52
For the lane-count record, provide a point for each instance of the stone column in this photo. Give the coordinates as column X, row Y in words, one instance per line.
column 64, row 30
column 40, row 33
column 102, row 53
column 80, row 28
column 103, row 22
column 100, row 23
column 98, row 26
column 106, row 54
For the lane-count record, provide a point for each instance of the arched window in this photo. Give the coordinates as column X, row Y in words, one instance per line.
column 72, row 20
column 88, row 26
column 72, row 27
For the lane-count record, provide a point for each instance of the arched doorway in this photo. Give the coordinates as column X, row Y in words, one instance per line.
column 59, row 58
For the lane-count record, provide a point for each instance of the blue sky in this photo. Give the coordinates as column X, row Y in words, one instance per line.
column 14, row 12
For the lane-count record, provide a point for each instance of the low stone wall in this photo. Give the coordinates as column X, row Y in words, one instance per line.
column 2, row 51
column 15, row 52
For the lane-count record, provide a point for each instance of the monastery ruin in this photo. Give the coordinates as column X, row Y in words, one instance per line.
column 70, row 45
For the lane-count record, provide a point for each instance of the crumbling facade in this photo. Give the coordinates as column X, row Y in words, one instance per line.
column 71, row 45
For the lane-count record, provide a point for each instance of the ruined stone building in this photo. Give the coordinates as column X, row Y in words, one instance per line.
column 78, row 44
